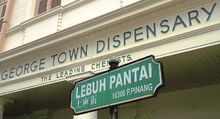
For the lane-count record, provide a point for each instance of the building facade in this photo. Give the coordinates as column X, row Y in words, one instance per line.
column 48, row 45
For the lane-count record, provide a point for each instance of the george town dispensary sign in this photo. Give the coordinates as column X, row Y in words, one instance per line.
column 131, row 82
column 140, row 34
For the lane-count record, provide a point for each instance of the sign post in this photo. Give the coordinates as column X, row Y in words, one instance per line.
column 131, row 82
column 114, row 109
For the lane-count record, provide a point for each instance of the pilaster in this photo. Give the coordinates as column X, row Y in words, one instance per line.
column 3, row 102
column 90, row 115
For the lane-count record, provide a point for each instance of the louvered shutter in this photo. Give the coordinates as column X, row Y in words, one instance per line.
column 42, row 7
column 55, row 3
column 2, row 1
column 1, row 22
column 3, row 11
column 3, row 4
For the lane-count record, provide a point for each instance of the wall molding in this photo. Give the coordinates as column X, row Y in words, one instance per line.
column 55, row 11
column 85, row 27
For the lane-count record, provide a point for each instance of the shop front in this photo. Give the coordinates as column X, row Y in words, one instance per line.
column 36, row 82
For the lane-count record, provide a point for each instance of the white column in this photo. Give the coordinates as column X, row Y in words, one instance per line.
column 90, row 115
column 29, row 9
column 3, row 102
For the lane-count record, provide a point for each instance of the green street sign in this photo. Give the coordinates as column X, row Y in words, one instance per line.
column 131, row 82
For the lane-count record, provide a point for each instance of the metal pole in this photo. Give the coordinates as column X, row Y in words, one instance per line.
column 114, row 109
column 114, row 112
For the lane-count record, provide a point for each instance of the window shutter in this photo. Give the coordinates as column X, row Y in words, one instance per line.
column 3, row 11
column 1, row 22
column 2, row 1
column 55, row 3
column 42, row 6
column 1, row 8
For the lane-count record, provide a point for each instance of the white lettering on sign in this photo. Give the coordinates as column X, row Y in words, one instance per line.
column 132, row 91
column 117, row 80
column 91, row 88
column 126, row 77
column 139, row 89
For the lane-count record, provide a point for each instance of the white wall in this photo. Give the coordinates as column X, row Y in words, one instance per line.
column 65, row 2
column 32, row 28
column 128, row 2
column 14, row 40
column 19, row 12
column 41, row 29
column 89, row 11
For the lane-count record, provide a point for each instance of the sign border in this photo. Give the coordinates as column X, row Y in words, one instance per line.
column 161, row 84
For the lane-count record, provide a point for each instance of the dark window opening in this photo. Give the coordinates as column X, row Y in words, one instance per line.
column 55, row 3
column 42, row 6
column 46, row 5
column 1, row 22
column 3, row 11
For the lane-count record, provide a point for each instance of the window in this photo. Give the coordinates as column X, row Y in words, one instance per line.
column 55, row 3
column 3, row 2
column 2, row 12
column 46, row 5
column 1, row 22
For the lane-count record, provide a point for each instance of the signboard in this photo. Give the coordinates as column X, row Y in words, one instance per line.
column 91, row 47
column 131, row 82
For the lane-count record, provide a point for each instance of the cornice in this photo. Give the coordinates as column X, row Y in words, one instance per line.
column 52, row 12
column 166, row 40
column 86, row 27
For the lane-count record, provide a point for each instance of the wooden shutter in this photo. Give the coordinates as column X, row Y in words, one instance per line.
column 1, row 22
column 3, row 11
column 42, row 6
column 3, row 4
column 2, row 1
column 55, row 3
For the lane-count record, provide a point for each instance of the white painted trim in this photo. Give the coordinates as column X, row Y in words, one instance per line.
column 86, row 27
column 75, row 4
column 129, row 50
column 46, row 15
column 33, row 20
